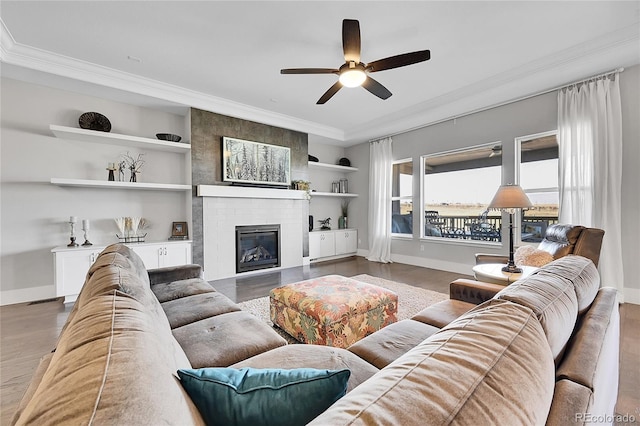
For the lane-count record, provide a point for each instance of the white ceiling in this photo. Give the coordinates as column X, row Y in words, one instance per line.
column 226, row 56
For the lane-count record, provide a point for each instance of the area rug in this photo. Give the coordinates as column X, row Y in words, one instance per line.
column 411, row 300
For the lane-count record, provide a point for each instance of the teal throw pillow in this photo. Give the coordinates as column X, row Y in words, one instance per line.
column 250, row 396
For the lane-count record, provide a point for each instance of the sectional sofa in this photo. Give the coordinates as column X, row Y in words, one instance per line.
column 543, row 350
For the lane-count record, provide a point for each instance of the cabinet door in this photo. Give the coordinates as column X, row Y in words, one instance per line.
column 351, row 241
column 314, row 245
column 149, row 253
column 71, row 269
column 176, row 254
column 321, row 244
column 346, row 241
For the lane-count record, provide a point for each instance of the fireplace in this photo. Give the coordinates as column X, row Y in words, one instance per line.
column 257, row 247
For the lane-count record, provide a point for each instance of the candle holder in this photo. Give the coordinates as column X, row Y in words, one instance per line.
column 85, row 228
column 72, row 237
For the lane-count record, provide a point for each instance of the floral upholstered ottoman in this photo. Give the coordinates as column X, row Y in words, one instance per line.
column 332, row 310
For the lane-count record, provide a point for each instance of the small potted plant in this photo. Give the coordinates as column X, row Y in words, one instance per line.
column 325, row 224
column 342, row 220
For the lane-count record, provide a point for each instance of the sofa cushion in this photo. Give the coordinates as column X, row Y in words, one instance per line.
column 194, row 308
column 249, row 396
column 183, row 288
column 560, row 240
column 552, row 299
column 115, row 364
column 313, row 356
column 592, row 356
column 491, row 366
column 226, row 339
column 442, row 313
column 582, row 273
column 385, row 346
column 569, row 401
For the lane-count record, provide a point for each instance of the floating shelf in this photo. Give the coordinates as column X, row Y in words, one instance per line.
column 334, row 167
column 94, row 136
column 119, row 185
column 332, row 194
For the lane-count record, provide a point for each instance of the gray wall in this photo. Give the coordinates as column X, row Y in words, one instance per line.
column 35, row 212
column 207, row 130
column 504, row 124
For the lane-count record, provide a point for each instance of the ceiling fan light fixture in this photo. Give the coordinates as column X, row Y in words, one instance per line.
column 352, row 77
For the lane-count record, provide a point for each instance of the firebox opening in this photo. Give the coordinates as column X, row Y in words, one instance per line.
column 257, row 247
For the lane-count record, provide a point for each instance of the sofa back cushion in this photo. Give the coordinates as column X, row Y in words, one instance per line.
column 114, row 365
column 555, row 293
column 490, row 366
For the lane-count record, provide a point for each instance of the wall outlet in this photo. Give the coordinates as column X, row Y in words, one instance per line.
column 359, row 241
column 421, row 247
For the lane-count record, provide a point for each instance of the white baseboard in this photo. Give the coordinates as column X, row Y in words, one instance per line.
column 22, row 295
column 460, row 268
column 631, row 295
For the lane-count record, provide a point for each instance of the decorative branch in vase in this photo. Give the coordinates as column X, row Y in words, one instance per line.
column 342, row 220
column 134, row 165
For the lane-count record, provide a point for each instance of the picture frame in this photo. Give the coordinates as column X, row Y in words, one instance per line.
column 179, row 229
column 255, row 163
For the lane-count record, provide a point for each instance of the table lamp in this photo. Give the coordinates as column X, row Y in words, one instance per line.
column 509, row 198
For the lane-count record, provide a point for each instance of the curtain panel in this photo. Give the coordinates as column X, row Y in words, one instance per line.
column 590, row 154
column 380, row 181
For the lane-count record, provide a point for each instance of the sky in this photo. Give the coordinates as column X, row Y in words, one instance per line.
column 480, row 185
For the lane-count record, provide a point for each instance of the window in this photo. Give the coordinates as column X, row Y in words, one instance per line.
column 402, row 197
column 537, row 156
column 457, row 188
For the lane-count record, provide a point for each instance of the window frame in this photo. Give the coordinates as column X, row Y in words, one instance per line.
column 517, row 163
column 400, row 198
column 469, row 242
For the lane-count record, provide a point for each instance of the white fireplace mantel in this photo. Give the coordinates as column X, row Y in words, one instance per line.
column 228, row 191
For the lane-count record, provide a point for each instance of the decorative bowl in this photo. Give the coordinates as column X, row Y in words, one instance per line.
column 94, row 121
column 168, row 137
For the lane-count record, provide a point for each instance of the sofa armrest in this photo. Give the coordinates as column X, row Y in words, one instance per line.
column 174, row 273
column 472, row 291
column 491, row 258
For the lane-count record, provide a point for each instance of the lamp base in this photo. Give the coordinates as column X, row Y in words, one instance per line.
column 512, row 269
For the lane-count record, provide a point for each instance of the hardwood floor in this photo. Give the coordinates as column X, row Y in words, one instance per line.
column 28, row 331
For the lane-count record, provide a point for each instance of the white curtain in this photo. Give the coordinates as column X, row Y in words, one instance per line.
column 380, row 178
column 590, row 157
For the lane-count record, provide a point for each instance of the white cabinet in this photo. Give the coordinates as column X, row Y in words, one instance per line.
column 327, row 244
column 321, row 244
column 161, row 255
column 346, row 241
column 70, row 269
column 72, row 264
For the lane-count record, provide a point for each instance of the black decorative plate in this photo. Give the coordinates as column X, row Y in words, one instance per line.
column 94, row 121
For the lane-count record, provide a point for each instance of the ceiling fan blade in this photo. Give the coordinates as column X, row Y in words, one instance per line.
column 329, row 93
column 376, row 88
column 308, row 71
column 351, row 40
column 399, row 61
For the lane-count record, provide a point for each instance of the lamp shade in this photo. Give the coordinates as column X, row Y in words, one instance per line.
column 510, row 197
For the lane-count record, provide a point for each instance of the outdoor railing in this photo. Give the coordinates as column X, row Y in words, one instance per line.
column 485, row 229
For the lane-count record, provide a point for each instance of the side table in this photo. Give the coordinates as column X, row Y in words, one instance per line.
column 493, row 273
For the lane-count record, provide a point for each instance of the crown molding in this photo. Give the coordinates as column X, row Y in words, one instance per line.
column 17, row 54
column 585, row 59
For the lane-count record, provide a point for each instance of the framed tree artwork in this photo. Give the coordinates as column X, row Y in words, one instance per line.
column 255, row 163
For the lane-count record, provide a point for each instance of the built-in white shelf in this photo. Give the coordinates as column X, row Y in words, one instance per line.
column 333, row 167
column 119, row 185
column 332, row 194
column 94, row 136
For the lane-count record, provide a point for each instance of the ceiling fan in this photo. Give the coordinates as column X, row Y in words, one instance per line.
column 354, row 73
